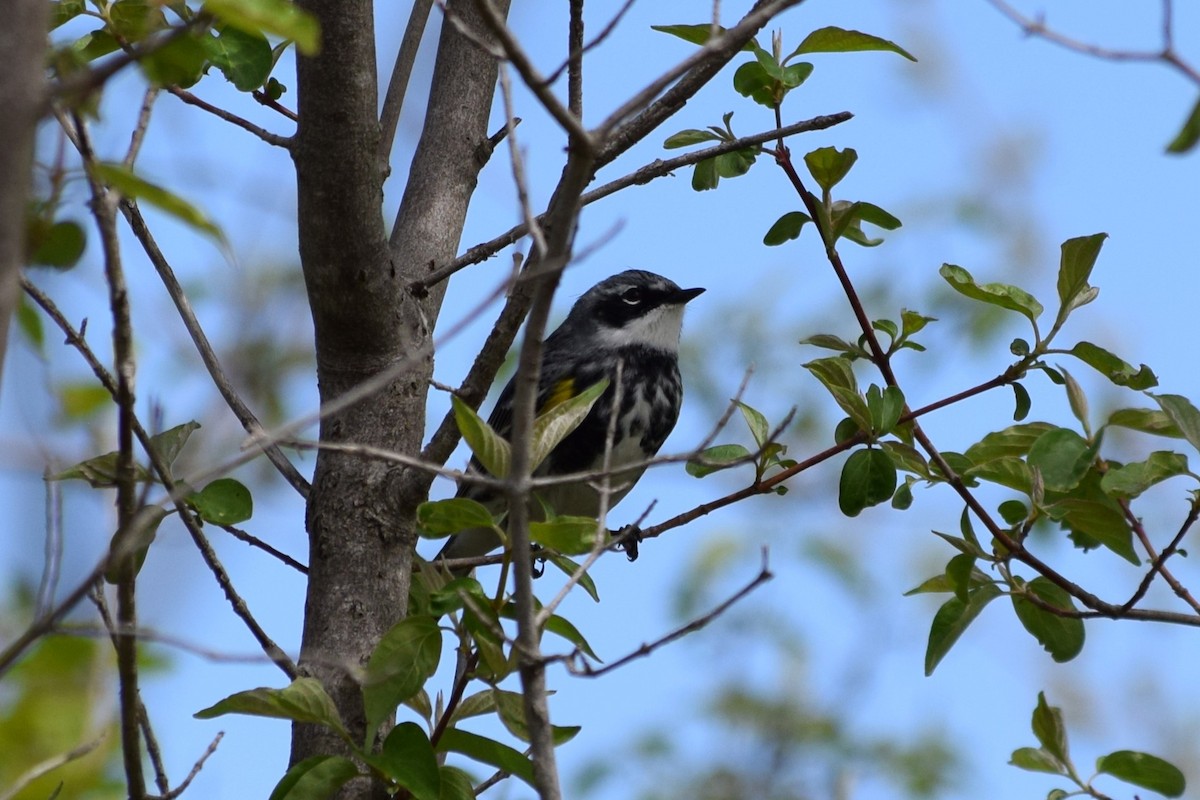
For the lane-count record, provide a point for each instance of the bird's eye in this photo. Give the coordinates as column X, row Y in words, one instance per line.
column 632, row 296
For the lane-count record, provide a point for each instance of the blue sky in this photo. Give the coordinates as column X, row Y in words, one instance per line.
column 993, row 149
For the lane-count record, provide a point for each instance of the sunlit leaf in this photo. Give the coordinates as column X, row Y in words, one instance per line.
column 840, row 40
column 1142, row 769
column 225, row 501
column 404, row 659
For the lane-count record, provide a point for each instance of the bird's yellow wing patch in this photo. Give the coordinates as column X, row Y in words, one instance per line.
column 563, row 391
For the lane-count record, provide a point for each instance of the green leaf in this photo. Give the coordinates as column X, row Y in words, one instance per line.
column 123, row 180
column 101, row 471
column 840, row 40
column 869, row 212
column 127, row 551
column 996, row 294
column 1130, row 480
column 885, row 407
column 1062, row 637
column 572, row 536
column 689, row 137
column 134, row 20
column 1023, row 402
column 63, row 11
column 1013, row 511
column 752, row 80
column 451, row 596
column 277, row 17
column 1146, row 420
column 304, row 700
column 958, row 575
column 180, row 62
column 760, row 429
column 439, row 518
column 1036, row 759
column 315, row 778
column 557, row 422
column 786, row 228
column 82, row 400
column 714, row 459
column 736, row 163
column 1183, row 414
column 486, row 445
column 511, row 707
column 907, row 458
column 704, row 175
column 696, row 34
column 836, row 375
column 1063, row 456
column 456, row 784
column 244, row 57
column 487, row 751
column 569, row 567
column 1015, row 440
column 404, row 659
column 1101, row 521
column 829, row 165
column 912, row 322
column 1075, row 267
column 96, row 44
column 868, row 478
column 560, row 626
column 951, row 620
column 1112, row 367
column 407, row 758
column 30, row 324
column 1048, row 727
column 60, row 246
column 831, row 342
column 1189, row 134
column 1076, row 399
column 225, row 501
column 795, row 74
column 1142, row 769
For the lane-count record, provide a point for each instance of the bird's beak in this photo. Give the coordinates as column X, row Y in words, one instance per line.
column 685, row 295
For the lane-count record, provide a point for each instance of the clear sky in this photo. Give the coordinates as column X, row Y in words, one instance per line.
column 992, row 149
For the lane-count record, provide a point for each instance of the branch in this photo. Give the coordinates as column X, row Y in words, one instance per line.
column 47, row 766
column 262, row 133
column 207, row 355
column 648, row 172
column 393, row 101
column 587, row 671
column 254, row 541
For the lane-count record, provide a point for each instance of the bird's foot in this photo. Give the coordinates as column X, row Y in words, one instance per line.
column 627, row 540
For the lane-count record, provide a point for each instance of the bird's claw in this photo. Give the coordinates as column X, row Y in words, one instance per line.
column 628, row 539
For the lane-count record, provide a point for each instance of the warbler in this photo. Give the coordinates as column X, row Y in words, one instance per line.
column 626, row 327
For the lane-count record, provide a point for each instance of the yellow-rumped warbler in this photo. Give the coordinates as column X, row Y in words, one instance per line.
column 634, row 320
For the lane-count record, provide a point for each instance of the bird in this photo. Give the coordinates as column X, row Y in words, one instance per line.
column 627, row 326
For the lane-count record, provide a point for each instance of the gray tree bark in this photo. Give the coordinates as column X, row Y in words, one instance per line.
column 361, row 512
column 22, row 81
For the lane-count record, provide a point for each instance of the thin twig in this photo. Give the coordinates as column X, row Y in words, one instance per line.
column 1158, row 561
column 587, row 671
column 207, row 355
column 254, row 541
column 53, row 549
column 199, row 765
column 264, row 100
column 139, row 129
column 262, row 133
column 644, row 174
column 575, row 49
column 49, row 765
column 406, row 56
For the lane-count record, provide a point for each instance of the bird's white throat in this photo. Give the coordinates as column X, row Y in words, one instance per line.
column 658, row 329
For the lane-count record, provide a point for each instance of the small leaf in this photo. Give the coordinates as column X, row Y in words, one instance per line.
column 127, row 551
column 951, row 620
column 760, row 429
column 511, row 706
column 1181, row 412
column 404, row 659
column 736, row 163
column 1076, row 399
column 123, row 180
column 831, row 342
column 996, row 294
column 1063, row 456
column 1015, row 440
column 30, row 324
column 786, row 228
column 1036, row 759
column 1142, row 769
column 439, row 518
column 1048, row 727
column 278, row 17
column 868, row 478
column 836, row 375
column 1130, row 480
column 569, row 568
column 315, row 778
column 560, row 420
column 752, row 80
column 913, row 322
column 829, row 165
column 1112, row 367
column 560, row 626
column 716, row 458
column 486, row 445
column 63, row 11
column 689, row 137
column 225, row 501
column 696, row 34
column 487, row 751
column 1102, row 522
column 1062, row 637
column 82, row 400
column 1189, row 134
column 840, row 40
column 704, row 175
column 101, row 471
column 61, row 245
column 407, row 758
column 571, row 536
column 1146, row 420
column 1075, row 267
column 1023, row 402
column 304, row 700
column 244, row 58
column 180, row 62
column 456, row 784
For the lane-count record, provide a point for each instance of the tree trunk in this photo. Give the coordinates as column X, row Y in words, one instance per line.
column 360, row 523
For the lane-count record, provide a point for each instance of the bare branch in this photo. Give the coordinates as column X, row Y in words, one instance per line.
column 406, row 56
column 53, row 547
column 587, row 671
column 262, row 133
column 575, row 48
column 254, row 541
column 47, row 766
column 199, row 765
